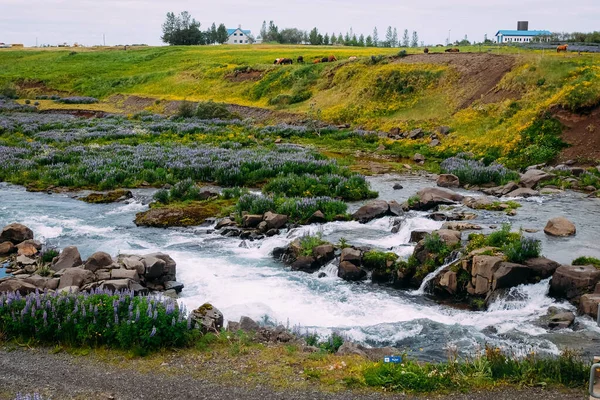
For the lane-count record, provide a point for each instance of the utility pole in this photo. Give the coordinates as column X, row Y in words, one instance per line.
column 104, row 39
column 449, row 30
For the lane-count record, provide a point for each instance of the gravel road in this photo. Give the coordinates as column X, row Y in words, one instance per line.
column 63, row 376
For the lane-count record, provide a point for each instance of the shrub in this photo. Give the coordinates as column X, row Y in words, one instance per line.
column 297, row 209
column 352, row 188
column 475, row 172
column 522, row 249
column 233, row 193
column 374, row 259
column 210, row 110
column 309, row 242
column 27, row 101
column 8, row 91
column 77, row 100
column 186, row 109
column 330, row 345
column 434, row 244
column 587, row 261
column 501, row 237
column 185, row 190
column 49, row 254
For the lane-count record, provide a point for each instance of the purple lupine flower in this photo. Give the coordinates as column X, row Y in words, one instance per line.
column 153, row 332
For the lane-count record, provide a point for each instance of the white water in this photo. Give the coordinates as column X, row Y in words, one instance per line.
column 431, row 276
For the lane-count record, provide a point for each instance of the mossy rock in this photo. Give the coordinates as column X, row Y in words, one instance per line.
column 108, row 197
column 184, row 214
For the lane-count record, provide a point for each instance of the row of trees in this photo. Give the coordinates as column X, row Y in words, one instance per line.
column 182, row 30
column 272, row 33
column 576, row 37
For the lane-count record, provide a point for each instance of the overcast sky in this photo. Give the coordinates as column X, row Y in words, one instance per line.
column 139, row 21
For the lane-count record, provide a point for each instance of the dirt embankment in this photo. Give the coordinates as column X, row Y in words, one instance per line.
column 582, row 133
column 479, row 74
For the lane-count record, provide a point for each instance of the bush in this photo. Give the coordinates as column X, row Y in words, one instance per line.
column 212, row 110
column 186, row 109
column 352, row 188
column 78, row 100
column 117, row 320
column 374, row 259
column 330, row 345
column 587, row 261
column 522, row 249
column 185, row 190
column 434, row 244
column 475, row 172
column 49, row 254
column 233, row 193
column 540, row 143
column 8, row 91
column 309, row 242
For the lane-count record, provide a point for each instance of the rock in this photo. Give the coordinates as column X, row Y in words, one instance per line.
column 155, row 267
column 396, row 208
column 233, row 326
column 532, row 177
column 122, row 273
column 69, row 257
column 16, row 285
column 76, row 276
column 225, row 222
column 418, row 235
column 443, row 130
column 170, row 265
column 430, row 198
column 560, row 227
column 523, row 192
column 419, row 158
column 26, row 249
column 350, row 272
column 483, row 271
column 305, row 264
column 500, row 191
column 352, row 349
column 448, row 181
column 548, row 190
column 262, row 227
column 372, row 210
column 561, row 320
column 571, row 282
column 415, row 134
column 317, row 218
column 109, row 197
column 461, row 226
column 397, row 186
column 275, row 221
column 134, row 263
column 247, row 324
column 577, row 171
column 324, row 253
column 15, row 233
column 116, row 285
column 272, row 232
column 7, row 248
column 103, row 275
column 138, row 290
column 541, row 267
column 375, row 354
column 207, row 318
column 434, row 143
column 251, row 221
column 588, row 304
column 450, row 238
column 69, row 290
column 98, row 261
column 24, row 260
column 449, row 282
column 351, row 255
column 177, row 286
column 510, row 275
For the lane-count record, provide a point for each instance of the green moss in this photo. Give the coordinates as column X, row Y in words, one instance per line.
column 104, row 198
column 587, row 261
column 379, row 260
column 184, row 214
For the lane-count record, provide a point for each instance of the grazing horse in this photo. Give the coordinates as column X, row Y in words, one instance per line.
column 331, row 59
column 562, row 48
column 453, row 50
column 300, row 60
column 317, row 61
column 426, row 50
column 353, row 58
column 283, row 61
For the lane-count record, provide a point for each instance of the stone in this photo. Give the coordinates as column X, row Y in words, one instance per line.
column 317, row 218
column 251, row 221
column 561, row 227
column 350, row 272
column 588, row 304
column 532, row 177
column 170, row 264
column 98, row 261
column 430, row 198
column 434, row 143
column 69, row 257
column 483, row 271
column 449, row 282
column 247, row 324
column 138, row 289
column 17, row 285
column 207, row 318
column 76, row 276
column 7, row 248
column 415, row 134
column 561, row 320
column 351, row 255
column 122, row 273
column 15, row 233
column 500, row 191
column 372, row 210
column 541, row 267
column 571, row 282
column 461, row 226
column 443, row 130
column 155, row 267
column 419, row 158
column 395, row 208
column 448, row 181
column 134, row 263
column 418, row 235
column 324, row 253
column 305, row 264
column 26, row 249
column 177, row 286
column 69, row 290
column 24, row 260
column 262, row 227
column 116, row 285
column 510, row 275
column 397, row 186
column 275, row 221
column 523, row 192
column 225, row 222
column 103, row 275
column 451, row 238
column 233, row 326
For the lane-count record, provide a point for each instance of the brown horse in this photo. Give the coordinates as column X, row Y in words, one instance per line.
column 317, row 61
column 562, row 48
column 331, row 59
column 426, row 50
column 284, row 61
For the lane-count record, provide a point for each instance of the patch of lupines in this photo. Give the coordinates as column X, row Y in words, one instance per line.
column 35, row 396
column 350, row 188
column 475, row 172
column 7, row 105
column 95, row 319
column 297, row 209
column 77, row 100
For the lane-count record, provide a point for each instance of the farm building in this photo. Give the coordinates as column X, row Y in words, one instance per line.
column 522, row 34
column 238, row 36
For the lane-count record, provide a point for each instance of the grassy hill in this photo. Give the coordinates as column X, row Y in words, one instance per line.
column 499, row 103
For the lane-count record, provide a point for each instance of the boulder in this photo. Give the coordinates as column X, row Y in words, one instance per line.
column 26, row 249
column 415, row 134
column 170, row 264
column 7, row 248
column 76, row 276
column 116, row 285
column 448, row 181
column 418, row 235
column 225, row 222
column 561, row 227
column 571, row 282
column 15, row 233
column 588, row 304
column 350, row 272
column 317, row 218
column 351, row 255
column 98, row 261
column 449, row 282
column 372, row 210
column 523, row 192
column 69, row 290
column 541, row 267
column 451, row 238
column 561, row 320
column 24, row 260
column 138, row 290
column 419, row 158
column 174, row 285
column 444, row 130
column 395, row 208
column 17, row 285
column 155, row 267
column 397, row 186
column 103, row 275
column 510, row 275
column 233, row 326
column 305, row 264
column 262, row 227
column 483, row 271
column 324, row 253
column 134, row 263
column 532, row 177
column 500, row 191
column 461, row 226
column 430, row 198
column 122, row 273
column 247, row 324
column 275, row 221
column 69, row 257
column 434, row 143
column 251, row 220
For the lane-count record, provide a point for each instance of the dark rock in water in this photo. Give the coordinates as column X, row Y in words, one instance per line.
column 155, row 267
column 372, row 210
column 272, row 232
column 560, row 227
column 225, row 222
column 69, row 257
column 251, row 221
column 418, row 235
column 490, row 330
column 247, row 324
column 350, row 272
column 430, row 198
column 395, row 208
column 351, row 255
column 15, row 233
column 98, row 261
column 448, row 181
column 322, row 275
column 523, row 192
column 532, row 177
column 324, row 253
column 275, row 221
column 571, row 282
column 561, row 320
column 500, row 191
column 244, row 245
column 231, row 232
column 317, row 218
column 108, row 197
column 177, row 286
column 508, row 275
column 207, row 318
column 305, row 264
column 278, row 252
column 397, row 225
column 541, row 267
column 398, row 186
column 381, row 276
column 588, row 304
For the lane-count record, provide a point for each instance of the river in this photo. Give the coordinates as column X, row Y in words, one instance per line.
column 245, row 280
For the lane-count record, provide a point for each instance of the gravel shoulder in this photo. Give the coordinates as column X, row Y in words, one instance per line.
column 65, row 376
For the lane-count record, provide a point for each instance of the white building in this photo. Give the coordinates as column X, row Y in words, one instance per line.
column 507, row 36
column 238, row 36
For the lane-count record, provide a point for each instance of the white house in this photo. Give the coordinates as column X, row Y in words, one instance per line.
column 238, row 36
column 507, row 36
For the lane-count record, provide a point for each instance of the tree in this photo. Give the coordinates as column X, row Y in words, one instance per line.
column 395, row 42
column 212, row 34
column 326, row 39
column 222, row 35
column 272, row 33
column 263, row 31
column 369, row 41
column 361, row 40
column 333, row 39
column 347, row 39
column 169, row 27
column 389, row 36
column 375, row 37
column 313, row 37
column 291, row 36
column 340, row 39
column 464, row 42
column 405, row 39
column 415, row 40
column 182, row 30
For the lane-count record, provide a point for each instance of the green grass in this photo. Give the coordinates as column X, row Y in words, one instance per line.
column 587, row 261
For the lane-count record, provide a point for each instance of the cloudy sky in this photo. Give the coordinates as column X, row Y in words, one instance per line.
column 139, row 21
